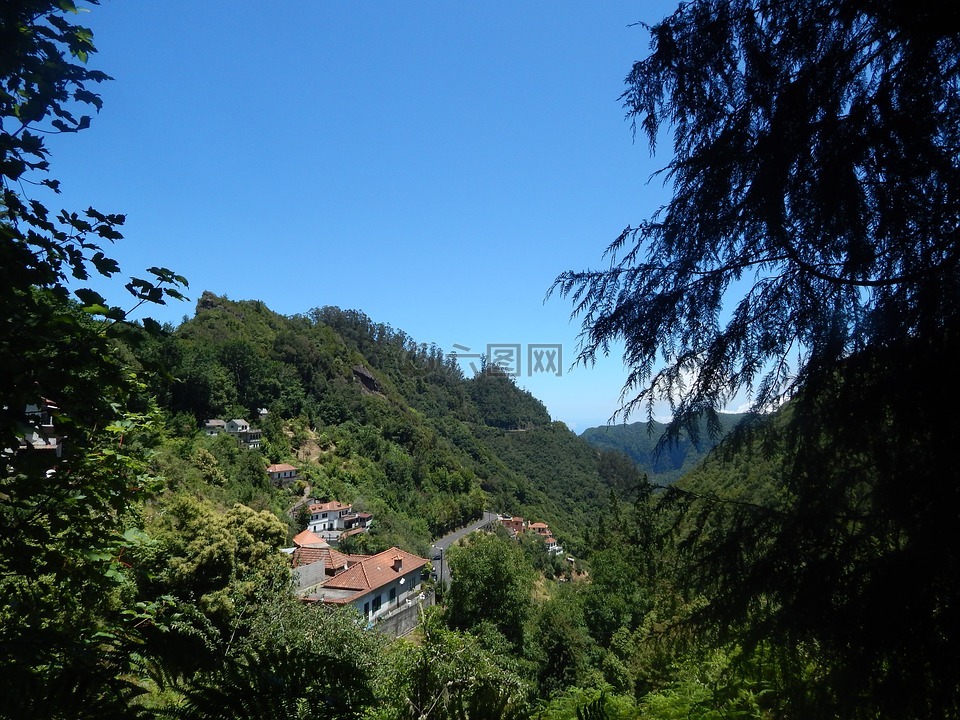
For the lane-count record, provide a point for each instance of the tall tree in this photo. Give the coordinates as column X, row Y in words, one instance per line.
column 492, row 582
column 63, row 627
column 809, row 251
column 815, row 197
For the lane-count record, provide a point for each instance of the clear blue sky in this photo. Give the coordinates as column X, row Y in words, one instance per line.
column 435, row 165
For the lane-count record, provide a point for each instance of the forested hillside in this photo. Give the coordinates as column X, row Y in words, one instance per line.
column 373, row 417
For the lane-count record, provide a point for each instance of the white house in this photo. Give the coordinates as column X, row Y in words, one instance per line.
column 247, row 436
column 214, row 426
column 42, row 435
column 329, row 516
column 235, row 427
column 375, row 585
column 282, row 474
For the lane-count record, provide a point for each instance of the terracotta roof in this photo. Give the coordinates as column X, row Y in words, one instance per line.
column 375, row 571
column 335, row 560
column 309, row 555
column 538, row 526
column 327, row 506
column 280, row 467
column 308, row 539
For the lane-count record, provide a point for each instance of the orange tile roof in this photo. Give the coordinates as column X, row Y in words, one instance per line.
column 327, row 506
column 375, row 571
column 335, row 560
column 308, row 555
column 308, row 539
column 280, row 467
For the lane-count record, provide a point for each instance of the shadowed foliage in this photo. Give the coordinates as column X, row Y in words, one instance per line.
column 809, row 252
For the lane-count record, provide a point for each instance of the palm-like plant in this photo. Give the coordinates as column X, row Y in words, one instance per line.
column 280, row 681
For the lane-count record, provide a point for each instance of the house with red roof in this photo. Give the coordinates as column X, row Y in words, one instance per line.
column 514, row 525
column 540, row 528
column 281, row 474
column 517, row 525
column 374, row 584
column 313, row 560
column 307, row 538
column 328, row 515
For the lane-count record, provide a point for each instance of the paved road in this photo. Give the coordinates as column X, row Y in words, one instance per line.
column 439, row 547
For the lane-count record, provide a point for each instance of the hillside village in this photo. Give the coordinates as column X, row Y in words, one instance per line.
column 393, row 585
column 390, row 588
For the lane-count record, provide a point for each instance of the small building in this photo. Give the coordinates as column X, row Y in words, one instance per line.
column 313, row 560
column 514, row 525
column 42, row 435
column 247, row 436
column 308, row 539
column 357, row 522
column 282, row 474
column 237, row 426
column 540, row 528
column 552, row 545
column 214, row 426
column 329, row 515
column 517, row 525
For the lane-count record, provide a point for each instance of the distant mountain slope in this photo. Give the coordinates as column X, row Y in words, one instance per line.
column 639, row 441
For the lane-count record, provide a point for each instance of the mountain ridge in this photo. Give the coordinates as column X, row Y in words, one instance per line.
column 664, row 461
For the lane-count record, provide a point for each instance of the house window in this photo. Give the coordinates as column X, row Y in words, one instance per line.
column 393, row 594
column 376, row 602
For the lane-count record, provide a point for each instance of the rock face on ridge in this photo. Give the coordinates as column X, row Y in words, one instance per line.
column 368, row 383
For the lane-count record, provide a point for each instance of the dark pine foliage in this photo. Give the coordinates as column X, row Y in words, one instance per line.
column 809, row 251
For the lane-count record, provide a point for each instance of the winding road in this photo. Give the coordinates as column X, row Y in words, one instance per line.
column 440, row 546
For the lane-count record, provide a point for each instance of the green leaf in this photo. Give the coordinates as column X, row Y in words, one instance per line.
column 105, row 266
column 89, row 297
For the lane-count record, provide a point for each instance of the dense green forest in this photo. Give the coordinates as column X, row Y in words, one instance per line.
column 805, row 567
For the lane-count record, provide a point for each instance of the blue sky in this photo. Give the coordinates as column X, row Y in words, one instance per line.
column 435, row 165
